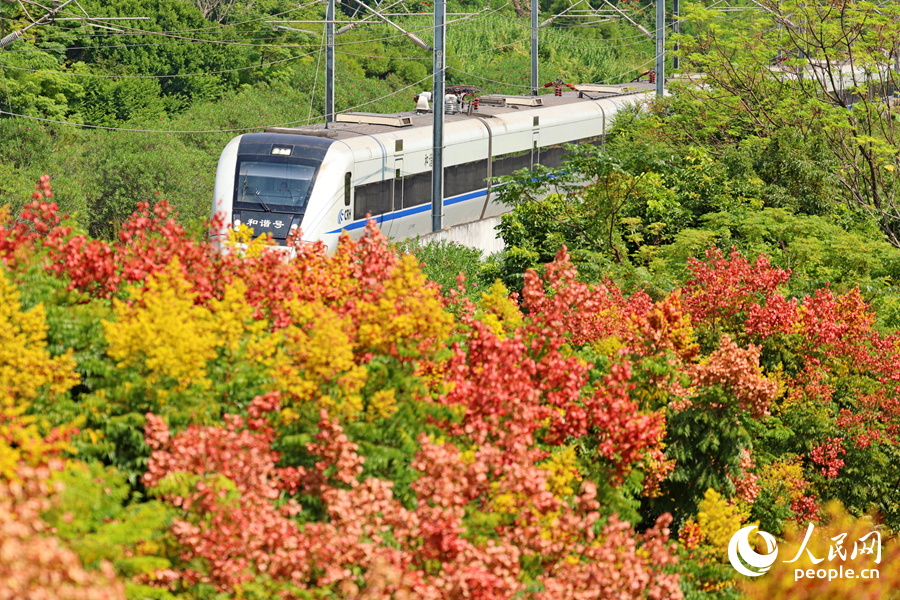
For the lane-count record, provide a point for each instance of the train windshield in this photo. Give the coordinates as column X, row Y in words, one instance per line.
column 274, row 186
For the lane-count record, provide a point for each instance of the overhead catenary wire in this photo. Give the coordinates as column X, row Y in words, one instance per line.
column 250, row 36
column 216, row 27
column 267, row 38
column 312, row 96
column 175, row 75
column 9, row 103
column 466, row 22
column 492, row 49
column 152, row 44
column 209, row 131
column 626, row 73
column 490, row 80
column 138, row 31
column 582, row 39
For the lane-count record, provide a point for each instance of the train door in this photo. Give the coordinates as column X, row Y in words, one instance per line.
column 396, row 196
column 398, row 183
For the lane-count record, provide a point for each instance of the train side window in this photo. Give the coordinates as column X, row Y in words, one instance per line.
column 347, row 179
column 467, row 177
column 551, row 156
column 373, row 198
column 416, row 189
column 507, row 163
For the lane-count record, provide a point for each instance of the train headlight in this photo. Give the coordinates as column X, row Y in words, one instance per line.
column 282, row 151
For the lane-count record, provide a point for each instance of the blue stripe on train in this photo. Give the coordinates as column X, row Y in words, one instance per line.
column 410, row 211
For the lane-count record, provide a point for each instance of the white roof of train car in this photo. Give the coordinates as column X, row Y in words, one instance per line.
column 347, row 130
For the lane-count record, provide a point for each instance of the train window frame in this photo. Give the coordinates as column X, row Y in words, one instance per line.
column 376, row 190
column 456, row 184
column 348, row 186
column 416, row 189
column 520, row 159
column 300, row 207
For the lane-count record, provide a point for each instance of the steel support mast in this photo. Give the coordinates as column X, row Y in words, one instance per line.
column 660, row 46
column 676, row 29
column 437, row 99
column 534, row 48
column 329, row 63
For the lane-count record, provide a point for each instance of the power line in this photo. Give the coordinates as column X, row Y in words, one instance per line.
column 48, row 37
column 102, row 76
column 220, row 26
column 491, row 80
column 209, row 131
column 154, row 44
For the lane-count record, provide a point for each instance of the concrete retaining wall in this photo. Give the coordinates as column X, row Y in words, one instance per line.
column 478, row 234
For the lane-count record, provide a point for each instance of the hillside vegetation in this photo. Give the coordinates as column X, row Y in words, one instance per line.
column 692, row 330
column 198, row 82
column 180, row 424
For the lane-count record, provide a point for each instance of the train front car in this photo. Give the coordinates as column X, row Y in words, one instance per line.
column 272, row 183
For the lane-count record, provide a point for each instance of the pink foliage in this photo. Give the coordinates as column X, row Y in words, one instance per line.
column 33, row 563
column 628, row 435
column 236, row 527
column 722, row 287
column 737, row 370
column 583, row 312
column 237, row 530
column 827, row 456
column 746, row 486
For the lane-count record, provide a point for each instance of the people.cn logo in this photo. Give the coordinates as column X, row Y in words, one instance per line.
column 739, row 549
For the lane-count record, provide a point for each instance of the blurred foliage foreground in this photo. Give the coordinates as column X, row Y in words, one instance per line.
column 180, row 424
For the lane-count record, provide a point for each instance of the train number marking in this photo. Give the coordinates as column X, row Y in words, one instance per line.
column 344, row 215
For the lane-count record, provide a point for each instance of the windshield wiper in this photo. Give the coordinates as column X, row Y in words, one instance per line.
column 259, row 199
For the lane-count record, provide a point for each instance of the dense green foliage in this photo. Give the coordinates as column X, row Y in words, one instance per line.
column 232, row 71
column 732, row 360
column 656, row 197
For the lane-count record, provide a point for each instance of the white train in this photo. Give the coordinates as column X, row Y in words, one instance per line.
column 326, row 181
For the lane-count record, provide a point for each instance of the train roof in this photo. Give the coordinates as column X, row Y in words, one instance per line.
column 350, row 125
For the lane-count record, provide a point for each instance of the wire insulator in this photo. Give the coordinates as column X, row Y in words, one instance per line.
column 10, row 38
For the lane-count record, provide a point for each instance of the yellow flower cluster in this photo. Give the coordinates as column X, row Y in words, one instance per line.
column 563, row 469
column 317, row 355
column 242, row 240
column 784, row 478
column 501, row 314
column 382, row 404
column 25, row 365
column 238, row 331
column 718, row 521
column 26, row 370
column 162, row 330
column 408, row 309
column 607, row 346
column 173, row 342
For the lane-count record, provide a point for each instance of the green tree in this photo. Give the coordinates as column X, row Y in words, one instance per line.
column 821, row 70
